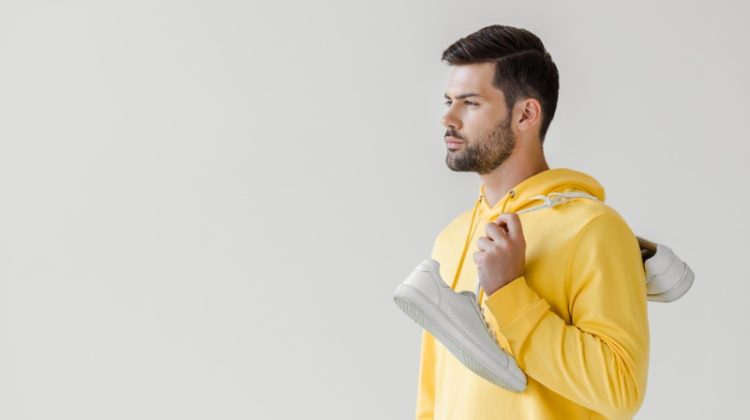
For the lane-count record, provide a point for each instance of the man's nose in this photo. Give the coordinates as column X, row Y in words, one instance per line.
column 449, row 120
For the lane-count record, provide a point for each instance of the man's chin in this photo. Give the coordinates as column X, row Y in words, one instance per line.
column 455, row 168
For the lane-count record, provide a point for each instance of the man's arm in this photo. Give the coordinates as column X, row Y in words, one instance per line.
column 601, row 360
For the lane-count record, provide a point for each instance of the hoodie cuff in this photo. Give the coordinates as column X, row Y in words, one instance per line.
column 517, row 308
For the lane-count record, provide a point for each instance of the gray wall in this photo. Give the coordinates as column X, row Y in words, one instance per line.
column 206, row 206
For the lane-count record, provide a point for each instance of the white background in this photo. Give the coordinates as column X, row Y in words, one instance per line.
column 205, row 206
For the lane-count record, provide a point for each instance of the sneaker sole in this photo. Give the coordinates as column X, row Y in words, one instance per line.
column 412, row 301
column 677, row 290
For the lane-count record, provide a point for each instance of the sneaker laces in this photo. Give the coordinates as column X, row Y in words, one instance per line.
column 555, row 198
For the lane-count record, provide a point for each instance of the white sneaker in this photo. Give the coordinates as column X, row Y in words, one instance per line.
column 667, row 276
column 455, row 319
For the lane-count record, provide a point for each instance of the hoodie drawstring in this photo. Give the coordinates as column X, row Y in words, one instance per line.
column 466, row 244
column 550, row 200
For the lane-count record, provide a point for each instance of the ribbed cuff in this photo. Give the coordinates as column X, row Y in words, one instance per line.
column 511, row 300
column 517, row 309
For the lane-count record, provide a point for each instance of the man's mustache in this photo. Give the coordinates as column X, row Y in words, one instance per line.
column 452, row 134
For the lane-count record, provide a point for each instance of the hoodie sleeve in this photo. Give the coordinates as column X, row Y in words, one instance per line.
column 600, row 360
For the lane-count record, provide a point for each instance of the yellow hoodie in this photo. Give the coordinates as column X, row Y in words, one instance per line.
column 576, row 321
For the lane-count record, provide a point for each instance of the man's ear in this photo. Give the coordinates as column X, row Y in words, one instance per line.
column 529, row 112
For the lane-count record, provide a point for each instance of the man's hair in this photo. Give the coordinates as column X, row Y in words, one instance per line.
column 523, row 69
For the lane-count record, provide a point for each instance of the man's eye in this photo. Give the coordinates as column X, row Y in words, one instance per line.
column 466, row 102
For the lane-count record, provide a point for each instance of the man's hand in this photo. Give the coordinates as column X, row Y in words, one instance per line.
column 502, row 253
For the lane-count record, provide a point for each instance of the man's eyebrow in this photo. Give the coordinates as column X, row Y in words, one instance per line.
column 463, row 95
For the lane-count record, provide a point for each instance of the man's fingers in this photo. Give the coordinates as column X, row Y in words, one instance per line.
column 512, row 223
column 495, row 232
column 484, row 243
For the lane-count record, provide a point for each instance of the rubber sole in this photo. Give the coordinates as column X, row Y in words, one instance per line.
column 414, row 304
column 677, row 290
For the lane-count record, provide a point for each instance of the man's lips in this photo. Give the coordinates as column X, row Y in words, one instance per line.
column 452, row 141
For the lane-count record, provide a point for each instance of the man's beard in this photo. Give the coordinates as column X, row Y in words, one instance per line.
column 485, row 154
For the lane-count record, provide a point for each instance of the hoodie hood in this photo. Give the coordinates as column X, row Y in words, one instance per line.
column 549, row 183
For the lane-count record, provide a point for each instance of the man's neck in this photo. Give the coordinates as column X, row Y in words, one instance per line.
column 520, row 165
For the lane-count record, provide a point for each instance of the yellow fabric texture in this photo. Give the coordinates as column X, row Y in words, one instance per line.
column 576, row 321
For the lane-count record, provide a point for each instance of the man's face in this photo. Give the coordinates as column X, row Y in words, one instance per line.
column 479, row 122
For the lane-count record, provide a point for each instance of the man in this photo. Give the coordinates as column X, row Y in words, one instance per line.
column 563, row 287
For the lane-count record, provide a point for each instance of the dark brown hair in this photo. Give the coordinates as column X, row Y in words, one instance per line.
column 523, row 69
